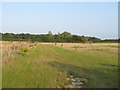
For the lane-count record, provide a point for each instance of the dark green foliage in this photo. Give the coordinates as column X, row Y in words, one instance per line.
column 111, row 40
column 60, row 37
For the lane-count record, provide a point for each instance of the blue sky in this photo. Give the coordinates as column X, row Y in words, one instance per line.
column 98, row 19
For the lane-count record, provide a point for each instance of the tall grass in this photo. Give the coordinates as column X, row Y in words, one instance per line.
column 9, row 49
column 48, row 66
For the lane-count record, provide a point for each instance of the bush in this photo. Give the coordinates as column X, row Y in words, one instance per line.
column 24, row 51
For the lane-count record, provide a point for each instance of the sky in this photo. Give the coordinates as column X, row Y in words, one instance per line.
column 96, row 19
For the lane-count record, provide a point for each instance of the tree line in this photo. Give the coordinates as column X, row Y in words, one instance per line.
column 60, row 37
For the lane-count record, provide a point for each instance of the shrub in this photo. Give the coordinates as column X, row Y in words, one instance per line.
column 24, row 51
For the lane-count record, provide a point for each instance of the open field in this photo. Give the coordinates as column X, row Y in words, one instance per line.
column 61, row 65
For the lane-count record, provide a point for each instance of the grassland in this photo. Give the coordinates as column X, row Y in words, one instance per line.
column 48, row 65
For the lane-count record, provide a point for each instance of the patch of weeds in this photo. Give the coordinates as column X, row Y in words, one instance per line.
column 35, row 44
column 99, row 49
column 32, row 46
column 23, row 51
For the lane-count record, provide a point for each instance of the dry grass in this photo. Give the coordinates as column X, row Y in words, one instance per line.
column 9, row 49
column 86, row 46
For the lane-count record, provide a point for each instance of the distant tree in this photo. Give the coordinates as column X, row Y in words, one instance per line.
column 66, row 36
column 84, row 39
column 50, row 37
column 76, row 38
column 58, row 37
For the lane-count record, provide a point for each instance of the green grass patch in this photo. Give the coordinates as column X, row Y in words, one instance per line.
column 47, row 66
